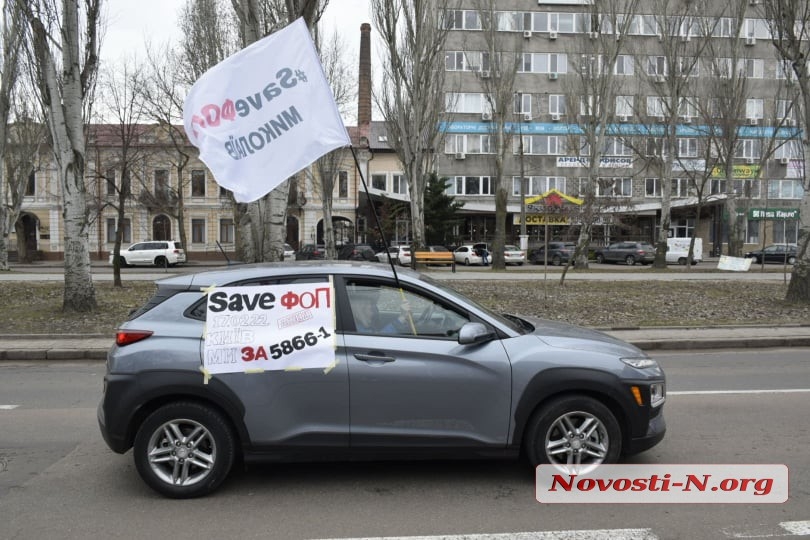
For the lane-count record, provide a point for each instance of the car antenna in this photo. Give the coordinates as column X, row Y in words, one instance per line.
column 374, row 213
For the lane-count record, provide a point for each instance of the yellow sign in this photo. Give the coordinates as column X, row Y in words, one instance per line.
column 543, row 219
column 737, row 171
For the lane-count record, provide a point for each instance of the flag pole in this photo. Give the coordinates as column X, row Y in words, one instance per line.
column 374, row 213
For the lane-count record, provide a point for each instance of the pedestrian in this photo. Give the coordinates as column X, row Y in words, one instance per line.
column 484, row 256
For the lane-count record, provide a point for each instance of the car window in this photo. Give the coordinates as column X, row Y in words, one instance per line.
column 378, row 308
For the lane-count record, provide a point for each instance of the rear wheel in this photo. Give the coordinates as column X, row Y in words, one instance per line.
column 573, row 430
column 556, row 260
column 161, row 262
column 122, row 262
column 682, row 261
column 184, row 450
column 791, row 260
column 600, row 258
column 466, row 262
column 630, row 260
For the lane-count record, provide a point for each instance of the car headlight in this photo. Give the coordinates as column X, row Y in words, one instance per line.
column 641, row 362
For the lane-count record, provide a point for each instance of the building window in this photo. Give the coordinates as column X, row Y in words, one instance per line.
column 683, row 227
column 400, row 184
column 223, row 193
column 748, row 148
column 786, row 232
column 754, row 108
column 785, row 189
column 469, row 185
column 545, row 145
column 197, row 183
column 544, row 63
column 624, row 106
column 127, row 238
column 379, row 181
column 687, row 147
column 343, row 184
column 614, row 187
column 197, row 231
column 226, row 231
column 537, row 185
column 161, row 183
column 625, row 65
column 523, row 103
column 31, row 185
column 652, row 187
column 556, row 104
column 752, row 232
column 464, row 102
column 657, row 65
column 680, row 187
column 110, row 182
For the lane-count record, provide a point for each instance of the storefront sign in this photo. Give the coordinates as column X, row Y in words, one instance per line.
column 604, row 162
column 773, row 213
column 740, row 172
column 543, row 219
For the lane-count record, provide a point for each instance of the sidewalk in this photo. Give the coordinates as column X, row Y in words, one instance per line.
column 95, row 347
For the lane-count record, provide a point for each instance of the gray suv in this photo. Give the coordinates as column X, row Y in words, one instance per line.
column 203, row 375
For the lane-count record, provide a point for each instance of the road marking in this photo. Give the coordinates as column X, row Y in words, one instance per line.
column 722, row 392
column 593, row 534
column 796, row 527
column 792, row 528
column 8, row 407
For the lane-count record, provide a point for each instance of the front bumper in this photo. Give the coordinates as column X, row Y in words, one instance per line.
column 656, row 429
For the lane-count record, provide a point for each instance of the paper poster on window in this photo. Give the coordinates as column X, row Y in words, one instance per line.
column 270, row 327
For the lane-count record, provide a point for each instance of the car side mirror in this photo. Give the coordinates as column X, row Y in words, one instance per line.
column 474, row 332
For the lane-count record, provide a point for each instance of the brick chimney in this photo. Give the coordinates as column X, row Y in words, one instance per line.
column 364, row 78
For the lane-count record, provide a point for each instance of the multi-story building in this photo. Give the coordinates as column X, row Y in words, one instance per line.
column 556, row 49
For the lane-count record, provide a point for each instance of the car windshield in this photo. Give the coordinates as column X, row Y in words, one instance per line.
column 515, row 323
column 511, row 248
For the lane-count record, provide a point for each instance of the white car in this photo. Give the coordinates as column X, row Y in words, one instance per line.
column 513, row 255
column 157, row 253
column 399, row 254
column 289, row 252
column 466, row 255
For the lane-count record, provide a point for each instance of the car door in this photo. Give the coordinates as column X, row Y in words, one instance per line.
column 304, row 407
column 417, row 387
column 137, row 253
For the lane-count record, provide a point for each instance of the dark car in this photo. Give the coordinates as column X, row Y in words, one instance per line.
column 775, row 253
column 311, row 252
column 271, row 363
column 558, row 253
column 627, row 252
column 357, row 252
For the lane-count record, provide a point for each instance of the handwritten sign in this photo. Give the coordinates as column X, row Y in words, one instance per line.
column 735, row 264
column 272, row 327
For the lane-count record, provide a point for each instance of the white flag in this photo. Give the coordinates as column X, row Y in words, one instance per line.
column 264, row 113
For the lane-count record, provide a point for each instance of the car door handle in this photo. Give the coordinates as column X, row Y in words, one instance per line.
column 374, row 358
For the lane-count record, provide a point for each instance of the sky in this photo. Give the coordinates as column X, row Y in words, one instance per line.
column 133, row 23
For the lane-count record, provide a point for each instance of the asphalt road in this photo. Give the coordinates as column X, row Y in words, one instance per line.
column 59, row 480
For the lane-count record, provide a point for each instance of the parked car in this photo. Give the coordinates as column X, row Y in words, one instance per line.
column 289, row 252
column 157, row 253
column 774, row 253
column 311, row 252
column 498, row 385
column 558, row 253
column 467, row 255
column 357, row 252
column 511, row 254
column 627, row 252
column 678, row 250
column 399, row 254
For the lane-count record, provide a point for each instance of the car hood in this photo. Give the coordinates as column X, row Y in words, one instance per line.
column 569, row 336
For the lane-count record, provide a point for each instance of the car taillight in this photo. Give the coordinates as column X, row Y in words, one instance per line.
column 128, row 337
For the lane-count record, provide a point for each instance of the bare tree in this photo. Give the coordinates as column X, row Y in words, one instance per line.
column 789, row 22
column 593, row 97
column 411, row 94
column 13, row 34
column 66, row 66
column 209, row 35
column 122, row 92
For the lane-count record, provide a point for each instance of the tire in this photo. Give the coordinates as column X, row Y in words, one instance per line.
column 161, row 466
column 756, row 260
column 161, row 262
column 547, row 440
column 682, row 261
column 791, row 260
column 556, row 261
column 122, row 262
column 630, row 260
column 466, row 262
column 600, row 258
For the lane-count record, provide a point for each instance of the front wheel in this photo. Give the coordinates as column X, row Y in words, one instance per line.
column 600, row 258
column 184, row 450
column 791, row 260
column 682, row 261
column 556, row 260
column 573, row 430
